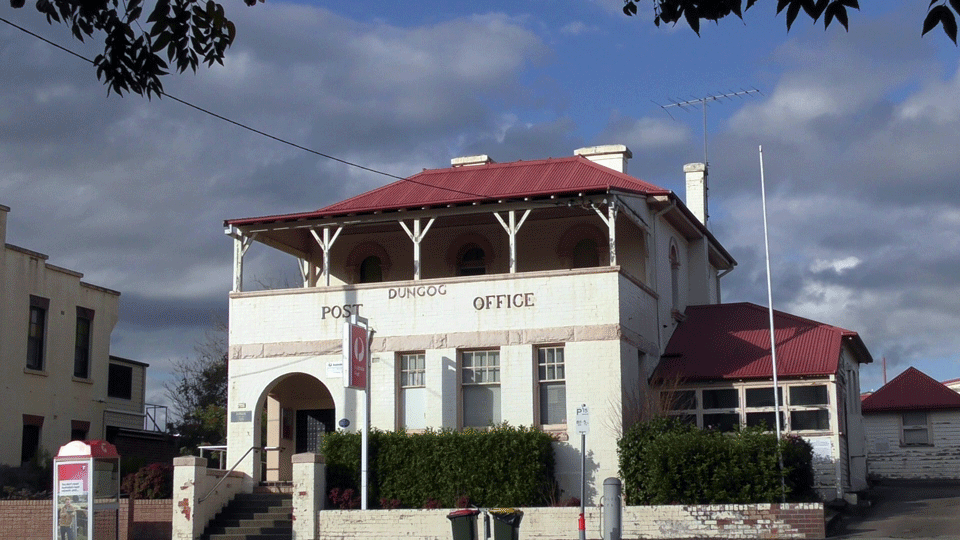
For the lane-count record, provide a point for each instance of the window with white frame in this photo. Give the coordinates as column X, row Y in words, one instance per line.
column 761, row 406
column 552, row 387
column 803, row 407
column 720, row 408
column 412, row 391
column 916, row 429
column 480, row 388
column 809, row 408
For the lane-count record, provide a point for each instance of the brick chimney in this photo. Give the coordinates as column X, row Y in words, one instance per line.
column 697, row 190
column 614, row 156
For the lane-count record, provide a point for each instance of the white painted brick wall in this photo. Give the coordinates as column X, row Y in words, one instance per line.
column 718, row 521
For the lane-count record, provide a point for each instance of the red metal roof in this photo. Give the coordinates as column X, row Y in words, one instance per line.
column 732, row 341
column 480, row 183
column 911, row 390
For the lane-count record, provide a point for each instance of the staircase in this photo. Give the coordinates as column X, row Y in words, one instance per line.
column 253, row 516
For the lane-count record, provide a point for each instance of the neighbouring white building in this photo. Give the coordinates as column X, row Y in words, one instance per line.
column 913, row 429
column 59, row 382
column 498, row 292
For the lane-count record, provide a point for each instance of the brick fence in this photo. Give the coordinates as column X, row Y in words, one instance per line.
column 141, row 520
column 732, row 521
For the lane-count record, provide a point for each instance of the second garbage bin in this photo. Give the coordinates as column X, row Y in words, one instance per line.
column 506, row 523
column 464, row 523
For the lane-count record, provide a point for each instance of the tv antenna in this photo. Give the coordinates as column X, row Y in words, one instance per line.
column 702, row 102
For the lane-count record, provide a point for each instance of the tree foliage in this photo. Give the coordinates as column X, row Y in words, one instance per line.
column 199, row 394
column 942, row 13
column 186, row 32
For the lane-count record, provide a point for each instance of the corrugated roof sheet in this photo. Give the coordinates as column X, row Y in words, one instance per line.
column 732, row 341
column 481, row 183
column 911, row 390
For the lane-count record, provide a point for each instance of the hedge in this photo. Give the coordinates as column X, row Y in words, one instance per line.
column 665, row 461
column 502, row 466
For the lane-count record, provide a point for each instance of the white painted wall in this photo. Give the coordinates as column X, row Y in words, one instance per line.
column 887, row 458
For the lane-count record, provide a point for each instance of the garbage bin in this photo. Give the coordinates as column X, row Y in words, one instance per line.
column 506, row 523
column 464, row 523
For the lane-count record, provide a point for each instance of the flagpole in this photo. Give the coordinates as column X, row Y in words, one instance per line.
column 773, row 341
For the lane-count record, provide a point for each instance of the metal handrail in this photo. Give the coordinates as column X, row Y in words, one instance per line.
column 220, row 448
column 224, row 477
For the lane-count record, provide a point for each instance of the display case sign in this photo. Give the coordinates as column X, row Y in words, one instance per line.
column 73, row 500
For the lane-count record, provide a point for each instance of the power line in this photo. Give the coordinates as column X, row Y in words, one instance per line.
column 228, row 120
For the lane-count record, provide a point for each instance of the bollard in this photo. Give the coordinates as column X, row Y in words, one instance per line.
column 612, row 510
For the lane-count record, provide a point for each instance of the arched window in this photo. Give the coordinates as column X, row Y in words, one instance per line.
column 371, row 270
column 675, row 276
column 473, row 262
column 368, row 262
column 586, row 254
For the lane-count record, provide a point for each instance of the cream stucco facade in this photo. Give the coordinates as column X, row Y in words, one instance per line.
column 55, row 357
column 605, row 322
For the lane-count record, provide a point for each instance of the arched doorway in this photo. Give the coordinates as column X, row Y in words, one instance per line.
column 299, row 411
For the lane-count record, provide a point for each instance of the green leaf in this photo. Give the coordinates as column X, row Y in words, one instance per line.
column 934, row 17
column 792, row 13
column 692, row 19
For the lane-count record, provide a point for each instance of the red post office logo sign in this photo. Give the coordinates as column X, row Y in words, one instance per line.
column 357, row 347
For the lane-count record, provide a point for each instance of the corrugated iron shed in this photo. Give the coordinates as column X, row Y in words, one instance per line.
column 732, row 341
column 911, row 390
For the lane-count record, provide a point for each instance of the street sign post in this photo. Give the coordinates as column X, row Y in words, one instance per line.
column 356, row 374
column 583, row 427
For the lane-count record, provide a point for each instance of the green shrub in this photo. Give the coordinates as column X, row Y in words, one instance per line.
column 664, row 461
column 504, row 466
column 30, row 480
column 155, row 481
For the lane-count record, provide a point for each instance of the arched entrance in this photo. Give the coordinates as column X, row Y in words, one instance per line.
column 299, row 410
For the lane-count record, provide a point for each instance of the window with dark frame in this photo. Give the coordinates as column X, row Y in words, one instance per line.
column 120, row 381
column 79, row 430
column 371, row 270
column 81, row 355
column 37, row 332
column 473, row 262
column 552, row 389
column 30, row 437
column 586, row 254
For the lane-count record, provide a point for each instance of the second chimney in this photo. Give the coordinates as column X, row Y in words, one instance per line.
column 697, row 190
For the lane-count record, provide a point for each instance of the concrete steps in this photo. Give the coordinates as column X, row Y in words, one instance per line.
column 253, row 516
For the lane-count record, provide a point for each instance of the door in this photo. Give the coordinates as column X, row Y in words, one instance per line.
column 311, row 425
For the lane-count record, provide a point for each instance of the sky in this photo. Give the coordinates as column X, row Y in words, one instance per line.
column 858, row 128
